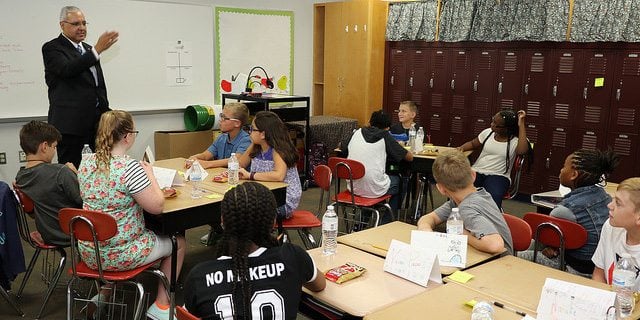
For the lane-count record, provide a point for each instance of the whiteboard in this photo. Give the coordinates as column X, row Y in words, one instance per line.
column 137, row 69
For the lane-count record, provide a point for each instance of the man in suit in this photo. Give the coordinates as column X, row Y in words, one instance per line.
column 77, row 92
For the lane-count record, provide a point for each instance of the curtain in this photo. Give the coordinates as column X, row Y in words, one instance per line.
column 456, row 19
column 555, row 29
column 601, row 20
column 412, row 21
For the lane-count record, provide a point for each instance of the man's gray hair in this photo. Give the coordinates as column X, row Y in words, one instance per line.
column 66, row 10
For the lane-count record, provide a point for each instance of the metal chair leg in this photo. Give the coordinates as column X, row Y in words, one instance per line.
column 11, row 302
column 54, row 281
column 30, row 268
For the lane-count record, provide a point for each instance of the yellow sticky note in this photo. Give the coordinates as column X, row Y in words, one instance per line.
column 213, row 196
column 471, row 303
column 598, row 82
column 460, row 276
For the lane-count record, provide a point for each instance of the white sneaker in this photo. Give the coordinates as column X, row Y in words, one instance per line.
column 204, row 239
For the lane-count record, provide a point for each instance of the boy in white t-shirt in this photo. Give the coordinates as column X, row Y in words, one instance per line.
column 621, row 233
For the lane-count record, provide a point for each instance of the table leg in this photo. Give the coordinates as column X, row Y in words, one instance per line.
column 172, row 279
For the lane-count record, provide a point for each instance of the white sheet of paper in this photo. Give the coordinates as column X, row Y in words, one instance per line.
column 417, row 266
column 164, row 176
column 566, row 300
column 451, row 249
column 148, row 155
column 563, row 190
column 196, row 166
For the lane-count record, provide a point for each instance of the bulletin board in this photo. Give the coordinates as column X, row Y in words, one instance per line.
column 246, row 38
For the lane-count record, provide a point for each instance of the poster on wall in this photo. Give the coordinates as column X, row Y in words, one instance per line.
column 254, row 49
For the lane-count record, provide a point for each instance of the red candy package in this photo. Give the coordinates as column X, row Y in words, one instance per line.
column 344, row 272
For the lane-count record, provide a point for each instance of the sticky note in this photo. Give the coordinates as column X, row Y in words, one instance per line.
column 598, row 82
column 461, row 276
column 213, row 196
column 470, row 303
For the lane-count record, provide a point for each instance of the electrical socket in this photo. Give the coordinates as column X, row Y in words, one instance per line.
column 22, row 157
column 3, row 158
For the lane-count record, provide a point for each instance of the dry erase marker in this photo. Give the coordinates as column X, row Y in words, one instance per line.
column 501, row 305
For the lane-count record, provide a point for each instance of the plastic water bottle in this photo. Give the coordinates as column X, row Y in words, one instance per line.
column 624, row 280
column 196, row 178
column 482, row 310
column 329, row 231
column 86, row 149
column 412, row 138
column 455, row 225
column 419, row 140
column 233, row 167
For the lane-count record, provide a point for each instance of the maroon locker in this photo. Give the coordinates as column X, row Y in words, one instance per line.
column 438, row 83
column 626, row 146
column 595, row 95
column 564, row 87
column 460, row 81
column 536, row 86
column 530, row 180
column 561, row 144
column 397, row 79
column 624, row 116
column 477, row 124
column 457, row 131
column 417, row 64
column 509, row 87
column 483, row 81
column 590, row 139
column 436, row 126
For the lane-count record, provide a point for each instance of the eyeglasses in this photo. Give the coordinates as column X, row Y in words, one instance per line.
column 135, row 132
column 252, row 129
column 77, row 23
column 223, row 117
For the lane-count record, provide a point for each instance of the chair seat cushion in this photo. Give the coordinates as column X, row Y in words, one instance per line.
column 84, row 271
column 301, row 219
column 37, row 239
column 345, row 197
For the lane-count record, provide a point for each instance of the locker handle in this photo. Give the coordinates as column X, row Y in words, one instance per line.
column 618, row 92
column 584, row 93
column 392, row 78
column 475, row 86
column 453, row 84
column 411, row 81
column 526, row 89
column 500, row 87
column 555, row 90
column 431, row 83
column 547, row 162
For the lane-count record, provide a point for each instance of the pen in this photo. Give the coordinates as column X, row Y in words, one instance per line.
column 501, row 305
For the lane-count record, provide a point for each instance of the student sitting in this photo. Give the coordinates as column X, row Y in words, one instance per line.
column 483, row 221
column 374, row 146
column 233, row 139
column 407, row 112
column 621, row 233
column 51, row 186
column 247, row 245
column 586, row 205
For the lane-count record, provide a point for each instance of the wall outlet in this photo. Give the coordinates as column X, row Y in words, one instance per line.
column 22, row 157
column 3, row 158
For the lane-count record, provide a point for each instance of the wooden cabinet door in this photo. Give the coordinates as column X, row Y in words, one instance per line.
column 355, row 66
column 438, row 86
column 624, row 116
column 596, row 87
column 564, row 87
column 334, row 57
column 483, row 82
column 510, row 73
column 536, row 84
column 626, row 146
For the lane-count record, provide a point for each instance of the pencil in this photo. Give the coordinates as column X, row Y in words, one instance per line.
column 501, row 305
column 379, row 247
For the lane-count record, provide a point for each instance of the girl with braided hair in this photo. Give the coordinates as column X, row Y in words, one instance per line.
column 583, row 172
column 251, row 274
column 498, row 147
column 113, row 183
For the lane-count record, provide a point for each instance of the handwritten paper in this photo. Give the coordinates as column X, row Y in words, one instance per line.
column 451, row 249
column 565, row 300
column 415, row 265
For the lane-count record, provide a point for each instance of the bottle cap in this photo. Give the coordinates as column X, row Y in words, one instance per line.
column 329, row 207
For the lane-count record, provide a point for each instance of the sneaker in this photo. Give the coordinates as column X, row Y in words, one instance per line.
column 156, row 313
column 204, row 239
column 207, row 241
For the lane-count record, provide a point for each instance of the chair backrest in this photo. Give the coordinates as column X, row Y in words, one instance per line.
column 344, row 168
column 520, row 232
column 183, row 314
column 516, row 172
column 87, row 225
column 546, row 229
column 24, row 206
column 322, row 177
column 25, row 201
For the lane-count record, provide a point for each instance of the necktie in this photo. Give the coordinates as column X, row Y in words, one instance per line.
column 79, row 48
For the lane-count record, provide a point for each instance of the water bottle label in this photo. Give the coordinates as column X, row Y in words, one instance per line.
column 329, row 226
column 233, row 165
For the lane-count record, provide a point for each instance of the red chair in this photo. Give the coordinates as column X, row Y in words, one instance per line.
column 555, row 232
column 34, row 239
column 303, row 220
column 350, row 170
column 520, row 232
column 183, row 314
column 516, row 172
column 96, row 226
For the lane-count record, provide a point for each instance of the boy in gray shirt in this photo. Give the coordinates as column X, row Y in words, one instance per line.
column 483, row 222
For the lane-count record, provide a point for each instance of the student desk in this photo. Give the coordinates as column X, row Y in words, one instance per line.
column 443, row 302
column 377, row 241
column 373, row 290
column 518, row 282
column 182, row 212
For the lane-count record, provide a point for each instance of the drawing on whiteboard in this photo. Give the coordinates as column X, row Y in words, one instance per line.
column 179, row 63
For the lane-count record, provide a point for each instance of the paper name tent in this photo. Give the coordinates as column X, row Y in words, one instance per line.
column 417, row 265
column 451, row 249
column 167, row 177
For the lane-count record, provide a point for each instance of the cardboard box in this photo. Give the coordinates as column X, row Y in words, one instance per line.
column 174, row 144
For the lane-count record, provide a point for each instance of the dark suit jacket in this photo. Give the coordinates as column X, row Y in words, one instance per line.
column 73, row 93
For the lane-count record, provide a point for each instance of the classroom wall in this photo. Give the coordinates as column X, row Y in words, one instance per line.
column 148, row 123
